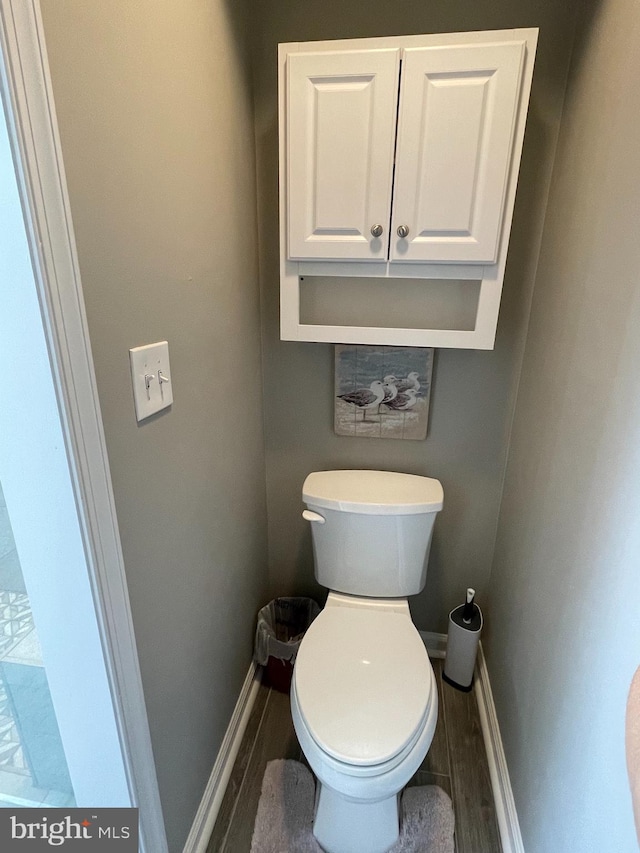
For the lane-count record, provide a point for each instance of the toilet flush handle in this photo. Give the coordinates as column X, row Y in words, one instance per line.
column 309, row 515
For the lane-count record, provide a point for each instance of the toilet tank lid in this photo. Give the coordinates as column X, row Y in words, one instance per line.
column 373, row 492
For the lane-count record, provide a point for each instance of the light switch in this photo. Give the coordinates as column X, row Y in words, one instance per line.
column 151, row 377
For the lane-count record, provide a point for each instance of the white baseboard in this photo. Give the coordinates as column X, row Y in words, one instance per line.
column 508, row 825
column 507, row 815
column 209, row 807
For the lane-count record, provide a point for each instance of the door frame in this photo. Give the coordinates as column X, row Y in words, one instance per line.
column 25, row 86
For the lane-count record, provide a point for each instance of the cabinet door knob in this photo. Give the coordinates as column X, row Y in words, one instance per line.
column 377, row 230
column 403, row 231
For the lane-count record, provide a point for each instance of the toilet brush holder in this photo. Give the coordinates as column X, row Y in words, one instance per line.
column 462, row 646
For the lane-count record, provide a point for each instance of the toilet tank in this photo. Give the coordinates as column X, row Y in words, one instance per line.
column 371, row 530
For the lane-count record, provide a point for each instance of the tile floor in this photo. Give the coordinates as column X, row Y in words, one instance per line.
column 457, row 762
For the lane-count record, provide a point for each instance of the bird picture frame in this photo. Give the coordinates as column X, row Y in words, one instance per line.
column 382, row 391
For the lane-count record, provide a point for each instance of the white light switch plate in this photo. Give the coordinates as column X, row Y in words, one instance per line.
column 151, row 377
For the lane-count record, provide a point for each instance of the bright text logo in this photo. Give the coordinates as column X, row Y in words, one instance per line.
column 32, row 830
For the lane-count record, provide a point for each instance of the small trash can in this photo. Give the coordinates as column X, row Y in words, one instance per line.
column 279, row 632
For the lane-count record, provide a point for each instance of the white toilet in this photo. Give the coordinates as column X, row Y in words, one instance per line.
column 364, row 699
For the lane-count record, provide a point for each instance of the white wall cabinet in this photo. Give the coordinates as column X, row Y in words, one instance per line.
column 399, row 159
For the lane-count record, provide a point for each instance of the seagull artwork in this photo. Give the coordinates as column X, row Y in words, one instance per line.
column 410, row 382
column 403, row 400
column 366, row 398
column 390, row 390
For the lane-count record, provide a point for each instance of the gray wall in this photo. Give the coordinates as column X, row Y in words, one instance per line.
column 157, row 129
column 563, row 634
column 473, row 391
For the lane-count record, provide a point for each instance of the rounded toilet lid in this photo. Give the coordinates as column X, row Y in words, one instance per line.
column 363, row 682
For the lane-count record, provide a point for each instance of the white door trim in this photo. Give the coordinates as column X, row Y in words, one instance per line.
column 26, row 89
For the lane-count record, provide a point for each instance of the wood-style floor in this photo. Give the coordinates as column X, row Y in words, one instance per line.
column 457, row 761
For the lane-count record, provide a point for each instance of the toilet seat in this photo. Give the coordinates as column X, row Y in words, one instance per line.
column 364, row 687
column 356, row 772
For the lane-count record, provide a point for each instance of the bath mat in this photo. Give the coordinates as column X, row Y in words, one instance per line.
column 285, row 815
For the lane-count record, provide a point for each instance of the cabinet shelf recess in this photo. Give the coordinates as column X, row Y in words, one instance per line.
column 389, row 303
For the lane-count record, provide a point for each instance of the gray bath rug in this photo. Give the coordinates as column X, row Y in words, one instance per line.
column 285, row 815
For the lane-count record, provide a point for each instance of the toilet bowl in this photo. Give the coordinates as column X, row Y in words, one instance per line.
column 364, row 703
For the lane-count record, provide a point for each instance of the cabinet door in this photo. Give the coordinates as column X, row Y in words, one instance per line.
column 341, row 111
column 457, row 113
